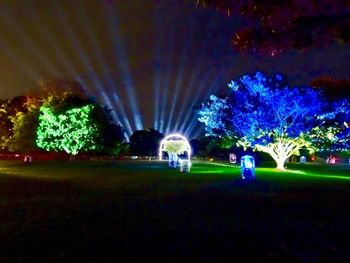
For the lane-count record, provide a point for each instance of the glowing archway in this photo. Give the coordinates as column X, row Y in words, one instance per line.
column 178, row 137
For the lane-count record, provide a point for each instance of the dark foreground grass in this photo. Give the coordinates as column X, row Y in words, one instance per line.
column 142, row 211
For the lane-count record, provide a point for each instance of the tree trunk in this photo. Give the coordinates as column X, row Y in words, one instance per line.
column 280, row 163
column 280, row 152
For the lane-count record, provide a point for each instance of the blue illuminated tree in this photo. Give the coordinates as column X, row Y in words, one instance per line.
column 264, row 113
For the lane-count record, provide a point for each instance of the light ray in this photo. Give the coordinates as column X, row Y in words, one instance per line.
column 213, row 86
column 183, row 61
column 15, row 29
column 83, row 18
column 189, row 88
column 15, row 59
column 122, row 61
column 165, row 83
column 51, row 41
column 156, row 74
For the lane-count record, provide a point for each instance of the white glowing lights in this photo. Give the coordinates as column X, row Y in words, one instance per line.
column 174, row 137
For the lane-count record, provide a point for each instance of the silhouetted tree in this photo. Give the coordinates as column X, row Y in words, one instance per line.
column 145, row 142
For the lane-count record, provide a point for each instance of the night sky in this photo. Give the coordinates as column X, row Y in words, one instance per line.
column 150, row 60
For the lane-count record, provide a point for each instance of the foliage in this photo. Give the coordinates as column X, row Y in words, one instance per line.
column 175, row 146
column 60, row 88
column 213, row 146
column 64, row 95
column 24, row 128
column 18, row 117
column 334, row 134
column 72, row 131
column 264, row 113
column 277, row 26
column 111, row 135
column 145, row 142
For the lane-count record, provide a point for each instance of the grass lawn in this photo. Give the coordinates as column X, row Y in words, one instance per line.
column 143, row 211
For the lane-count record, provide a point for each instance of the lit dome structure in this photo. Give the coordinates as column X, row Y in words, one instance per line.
column 185, row 146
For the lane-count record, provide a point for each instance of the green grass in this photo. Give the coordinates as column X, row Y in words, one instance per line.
column 94, row 211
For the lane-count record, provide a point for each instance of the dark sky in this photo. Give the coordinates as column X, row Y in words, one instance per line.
column 130, row 49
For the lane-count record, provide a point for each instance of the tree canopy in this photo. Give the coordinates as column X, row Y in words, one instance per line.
column 18, row 122
column 145, row 142
column 266, row 114
column 72, row 131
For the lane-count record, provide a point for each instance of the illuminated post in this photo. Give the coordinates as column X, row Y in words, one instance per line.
column 248, row 167
column 233, row 158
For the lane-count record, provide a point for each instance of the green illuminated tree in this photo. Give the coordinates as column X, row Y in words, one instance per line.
column 72, row 131
column 63, row 95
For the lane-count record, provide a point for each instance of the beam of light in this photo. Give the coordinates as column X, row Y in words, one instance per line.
column 183, row 61
column 119, row 118
column 187, row 95
column 18, row 62
column 84, row 21
column 51, row 41
column 203, row 59
column 194, row 99
column 126, row 122
column 15, row 29
column 174, row 136
column 213, row 87
column 156, row 96
column 97, row 86
column 82, row 57
column 109, row 104
column 200, row 131
column 165, row 83
column 82, row 82
column 72, row 37
column 197, row 70
column 123, row 64
column 156, row 74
